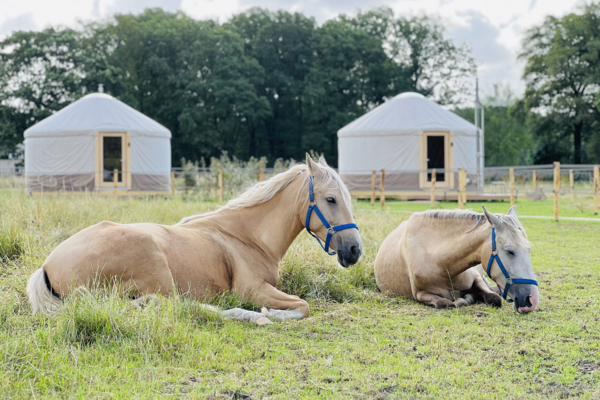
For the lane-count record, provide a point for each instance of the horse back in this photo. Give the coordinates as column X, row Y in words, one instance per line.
column 391, row 269
column 109, row 252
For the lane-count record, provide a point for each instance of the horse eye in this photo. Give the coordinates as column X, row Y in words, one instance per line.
column 510, row 252
column 330, row 200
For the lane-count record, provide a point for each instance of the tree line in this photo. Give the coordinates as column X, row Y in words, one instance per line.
column 276, row 84
column 264, row 83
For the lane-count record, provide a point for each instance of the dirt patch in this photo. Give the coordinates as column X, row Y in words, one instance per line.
column 588, row 367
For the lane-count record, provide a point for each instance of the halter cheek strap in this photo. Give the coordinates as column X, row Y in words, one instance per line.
column 312, row 206
column 509, row 280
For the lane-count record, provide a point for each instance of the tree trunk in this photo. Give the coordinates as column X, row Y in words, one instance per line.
column 577, row 143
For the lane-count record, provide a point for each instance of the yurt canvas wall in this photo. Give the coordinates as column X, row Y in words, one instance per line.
column 406, row 136
column 79, row 147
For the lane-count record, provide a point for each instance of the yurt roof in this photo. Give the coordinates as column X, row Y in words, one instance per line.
column 97, row 112
column 407, row 114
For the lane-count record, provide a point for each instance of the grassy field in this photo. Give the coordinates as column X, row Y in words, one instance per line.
column 581, row 207
column 356, row 344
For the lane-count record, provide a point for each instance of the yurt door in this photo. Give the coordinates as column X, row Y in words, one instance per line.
column 112, row 153
column 436, row 153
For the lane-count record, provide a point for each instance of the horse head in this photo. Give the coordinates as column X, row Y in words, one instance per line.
column 329, row 216
column 510, row 262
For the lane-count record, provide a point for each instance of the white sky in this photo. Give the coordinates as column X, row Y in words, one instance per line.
column 493, row 28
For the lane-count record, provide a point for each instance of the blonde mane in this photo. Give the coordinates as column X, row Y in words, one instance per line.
column 514, row 226
column 264, row 191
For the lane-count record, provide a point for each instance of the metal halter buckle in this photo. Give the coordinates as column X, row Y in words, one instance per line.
column 331, row 230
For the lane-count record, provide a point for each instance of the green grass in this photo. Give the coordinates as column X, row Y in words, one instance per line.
column 356, row 344
column 582, row 207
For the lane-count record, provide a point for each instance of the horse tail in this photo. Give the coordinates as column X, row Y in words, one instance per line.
column 40, row 294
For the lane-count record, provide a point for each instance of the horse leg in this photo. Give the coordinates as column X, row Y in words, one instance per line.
column 489, row 296
column 433, row 300
column 464, row 301
column 285, row 306
column 239, row 314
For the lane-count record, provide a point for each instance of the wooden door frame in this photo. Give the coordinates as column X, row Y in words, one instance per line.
column 448, row 160
column 126, row 151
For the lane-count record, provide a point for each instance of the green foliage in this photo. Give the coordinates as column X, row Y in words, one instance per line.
column 264, row 84
column 12, row 243
column 190, row 173
column 562, row 71
column 423, row 60
column 507, row 138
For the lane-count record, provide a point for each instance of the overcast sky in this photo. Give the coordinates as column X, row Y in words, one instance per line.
column 493, row 28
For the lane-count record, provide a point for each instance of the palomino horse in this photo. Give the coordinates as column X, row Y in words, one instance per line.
column 237, row 247
column 435, row 256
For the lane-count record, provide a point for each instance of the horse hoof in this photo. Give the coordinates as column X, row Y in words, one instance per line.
column 264, row 311
column 444, row 303
column 260, row 321
column 493, row 300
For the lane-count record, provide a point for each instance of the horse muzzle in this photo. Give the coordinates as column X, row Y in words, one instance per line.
column 348, row 253
column 526, row 297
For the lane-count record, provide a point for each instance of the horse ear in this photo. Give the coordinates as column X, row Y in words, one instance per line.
column 493, row 220
column 322, row 161
column 313, row 167
column 513, row 212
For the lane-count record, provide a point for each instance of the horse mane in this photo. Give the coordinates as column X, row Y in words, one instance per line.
column 514, row 226
column 262, row 192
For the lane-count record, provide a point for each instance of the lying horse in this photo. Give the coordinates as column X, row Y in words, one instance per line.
column 237, row 247
column 435, row 257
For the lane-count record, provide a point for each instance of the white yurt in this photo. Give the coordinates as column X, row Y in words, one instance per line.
column 79, row 147
column 406, row 136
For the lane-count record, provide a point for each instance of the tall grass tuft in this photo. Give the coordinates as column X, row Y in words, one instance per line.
column 12, row 242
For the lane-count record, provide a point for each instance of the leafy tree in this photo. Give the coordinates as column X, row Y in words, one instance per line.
column 40, row 73
column 191, row 76
column 350, row 75
column 507, row 139
column 281, row 42
column 265, row 83
column 429, row 63
column 561, row 73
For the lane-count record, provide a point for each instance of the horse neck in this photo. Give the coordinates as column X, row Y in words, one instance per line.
column 272, row 225
column 460, row 248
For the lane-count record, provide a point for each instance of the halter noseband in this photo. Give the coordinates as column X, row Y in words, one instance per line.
column 312, row 206
column 509, row 280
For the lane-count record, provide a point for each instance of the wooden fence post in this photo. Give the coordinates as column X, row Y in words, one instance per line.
column 261, row 175
column 220, row 186
column 115, row 181
column 534, row 180
column 172, row 183
column 382, row 198
column 433, row 178
column 373, row 182
column 572, row 182
column 596, row 186
column 511, row 177
column 556, row 188
column 462, row 182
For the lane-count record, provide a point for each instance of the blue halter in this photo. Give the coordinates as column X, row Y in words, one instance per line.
column 509, row 280
column 312, row 206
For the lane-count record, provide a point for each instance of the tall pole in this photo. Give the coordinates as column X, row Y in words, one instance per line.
column 382, row 198
column 479, row 125
column 373, row 180
column 556, row 188
column 433, row 177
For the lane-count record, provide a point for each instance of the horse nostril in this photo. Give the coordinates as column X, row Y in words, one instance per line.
column 355, row 251
column 527, row 302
